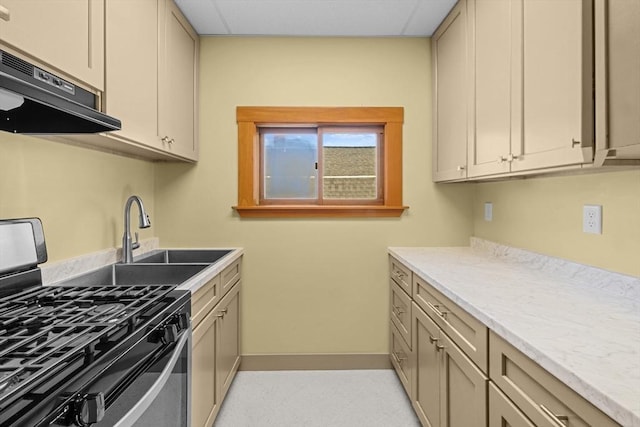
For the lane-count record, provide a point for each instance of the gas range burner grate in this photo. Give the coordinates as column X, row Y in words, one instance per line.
column 45, row 329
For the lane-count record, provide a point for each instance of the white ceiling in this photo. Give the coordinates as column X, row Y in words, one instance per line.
column 352, row 18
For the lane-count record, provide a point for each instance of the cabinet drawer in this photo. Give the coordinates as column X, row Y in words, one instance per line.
column 401, row 358
column 230, row 276
column 502, row 411
column 203, row 300
column 537, row 393
column 400, row 274
column 401, row 312
column 465, row 330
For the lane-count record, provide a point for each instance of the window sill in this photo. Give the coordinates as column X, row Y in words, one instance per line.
column 335, row 211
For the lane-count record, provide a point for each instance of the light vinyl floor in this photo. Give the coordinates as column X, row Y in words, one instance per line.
column 367, row 398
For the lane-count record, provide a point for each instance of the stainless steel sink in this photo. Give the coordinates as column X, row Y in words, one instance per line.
column 136, row 274
column 182, row 256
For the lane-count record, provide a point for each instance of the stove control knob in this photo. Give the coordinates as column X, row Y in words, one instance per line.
column 170, row 333
column 90, row 409
column 182, row 320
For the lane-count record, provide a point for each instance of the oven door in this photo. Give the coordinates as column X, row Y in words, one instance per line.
column 158, row 397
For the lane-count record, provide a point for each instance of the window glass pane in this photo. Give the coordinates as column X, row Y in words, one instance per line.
column 290, row 165
column 350, row 165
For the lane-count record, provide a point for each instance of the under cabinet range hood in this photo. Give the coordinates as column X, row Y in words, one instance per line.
column 34, row 101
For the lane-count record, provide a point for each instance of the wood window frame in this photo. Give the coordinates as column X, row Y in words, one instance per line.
column 249, row 120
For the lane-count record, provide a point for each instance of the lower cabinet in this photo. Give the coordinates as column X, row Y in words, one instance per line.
column 503, row 413
column 544, row 399
column 401, row 359
column 228, row 342
column 448, row 389
column 459, row 373
column 205, row 402
column 215, row 353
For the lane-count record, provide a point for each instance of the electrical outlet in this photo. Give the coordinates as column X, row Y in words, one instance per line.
column 592, row 219
column 488, row 211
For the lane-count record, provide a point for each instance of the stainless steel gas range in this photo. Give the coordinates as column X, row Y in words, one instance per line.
column 87, row 355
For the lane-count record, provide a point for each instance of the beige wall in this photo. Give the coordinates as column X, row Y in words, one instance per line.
column 545, row 215
column 310, row 285
column 78, row 193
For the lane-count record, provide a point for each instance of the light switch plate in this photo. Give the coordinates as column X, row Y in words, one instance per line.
column 592, row 219
column 488, row 211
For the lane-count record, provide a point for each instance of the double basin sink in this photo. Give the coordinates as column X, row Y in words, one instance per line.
column 159, row 267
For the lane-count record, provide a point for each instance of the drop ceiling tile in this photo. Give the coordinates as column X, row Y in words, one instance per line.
column 203, row 16
column 428, row 15
column 317, row 17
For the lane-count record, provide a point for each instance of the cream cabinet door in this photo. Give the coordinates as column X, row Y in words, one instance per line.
column 401, row 358
column 556, row 73
column 617, row 80
column 426, row 377
column 131, row 69
column 178, row 62
column 463, row 389
column 205, row 400
column 449, row 58
column 492, row 115
column 64, row 35
column 228, row 356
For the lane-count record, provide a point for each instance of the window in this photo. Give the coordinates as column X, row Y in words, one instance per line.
column 321, row 165
column 307, row 161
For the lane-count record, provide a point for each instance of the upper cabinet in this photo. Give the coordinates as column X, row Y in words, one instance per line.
column 530, row 86
column 140, row 56
column 553, row 72
column 66, row 36
column 178, row 89
column 132, row 77
column 617, row 50
column 152, row 84
column 449, row 61
column 492, row 110
column 531, row 73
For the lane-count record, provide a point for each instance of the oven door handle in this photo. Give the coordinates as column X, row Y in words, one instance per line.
column 130, row 418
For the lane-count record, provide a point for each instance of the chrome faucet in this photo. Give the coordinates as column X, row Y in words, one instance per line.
column 145, row 222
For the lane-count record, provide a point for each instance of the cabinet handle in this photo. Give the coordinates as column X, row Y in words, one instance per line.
column 434, row 307
column 558, row 420
column 222, row 313
column 432, row 339
column 511, row 157
column 399, row 359
column 398, row 310
column 461, row 168
column 165, row 139
column 5, row 15
column 574, row 142
column 502, row 159
column 171, row 141
column 439, row 347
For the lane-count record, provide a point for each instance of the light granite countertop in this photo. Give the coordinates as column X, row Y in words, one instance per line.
column 580, row 323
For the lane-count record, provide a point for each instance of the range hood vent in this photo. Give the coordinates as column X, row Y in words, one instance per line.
column 34, row 101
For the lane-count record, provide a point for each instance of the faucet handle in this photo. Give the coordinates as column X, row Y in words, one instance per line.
column 136, row 244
